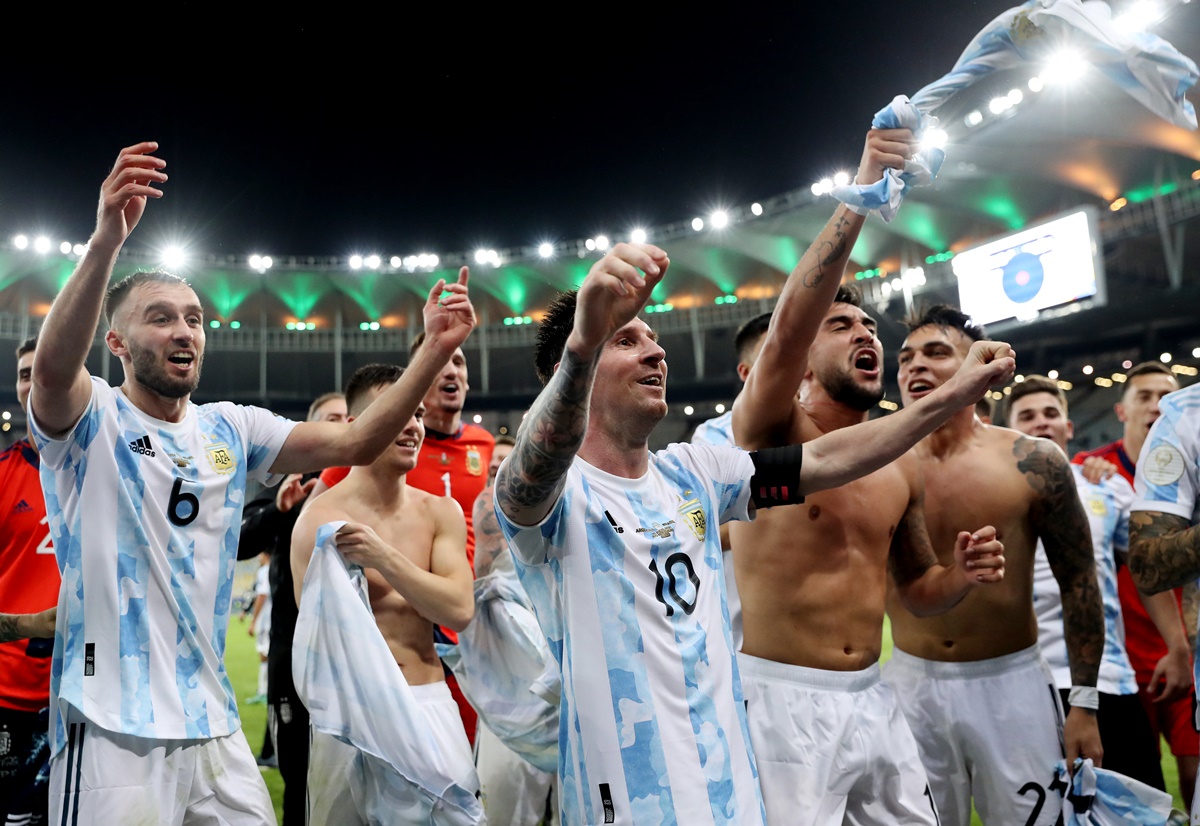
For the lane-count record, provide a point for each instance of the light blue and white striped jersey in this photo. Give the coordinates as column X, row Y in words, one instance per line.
column 1107, row 506
column 145, row 516
column 719, row 431
column 625, row 578
column 1168, row 469
column 715, row 431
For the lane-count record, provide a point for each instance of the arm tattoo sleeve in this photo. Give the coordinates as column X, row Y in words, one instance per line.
column 828, row 252
column 549, row 439
column 1163, row 551
column 1191, row 612
column 1059, row 519
column 912, row 552
column 489, row 539
column 8, row 628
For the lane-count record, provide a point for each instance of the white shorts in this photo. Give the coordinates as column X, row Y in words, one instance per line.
column 102, row 777
column 514, row 790
column 345, row 790
column 832, row 747
column 991, row 729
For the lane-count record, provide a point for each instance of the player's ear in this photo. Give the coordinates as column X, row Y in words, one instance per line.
column 743, row 370
column 116, row 343
column 1070, row 431
column 1119, row 409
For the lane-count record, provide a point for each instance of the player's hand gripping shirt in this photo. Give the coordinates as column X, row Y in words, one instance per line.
column 145, row 516
column 1107, row 505
column 625, row 578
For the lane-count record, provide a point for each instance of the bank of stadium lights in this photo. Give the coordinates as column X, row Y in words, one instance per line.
column 517, row 320
column 720, row 408
column 864, row 275
column 888, row 405
column 422, row 261
column 368, row 325
column 41, row 245
column 725, row 299
column 1064, row 67
column 697, row 224
column 1119, row 378
column 261, row 263
column 1139, row 16
column 372, row 262
column 173, row 258
column 602, row 242
column 689, row 410
column 546, row 249
column 719, row 219
column 1118, row 204
column 756, row 208
column 300, row 326
column 659, row 308
column 487, row 256
column 1183, row 370
column 1165, row 358
column 21, row 242
column 638, row 236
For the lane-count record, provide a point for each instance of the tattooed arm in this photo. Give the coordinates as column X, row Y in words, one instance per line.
column 924, row 585
column 1164, row 552
column 614, row 291
column 1191, row 612
column 1058, row 518
column 489, row 539
column 25, row 626
column 765, row 406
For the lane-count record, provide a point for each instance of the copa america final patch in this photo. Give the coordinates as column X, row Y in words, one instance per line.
column 1164, row 465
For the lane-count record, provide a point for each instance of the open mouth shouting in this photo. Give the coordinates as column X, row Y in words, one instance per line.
column 866, row 361
column 183, row 361
column 653, row 380
column 920, row 387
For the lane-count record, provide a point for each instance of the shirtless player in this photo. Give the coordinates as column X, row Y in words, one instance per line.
column 976, row 692
column 831, row 742
column 411, row 544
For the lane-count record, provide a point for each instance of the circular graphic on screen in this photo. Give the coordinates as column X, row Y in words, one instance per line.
column 1023, row 277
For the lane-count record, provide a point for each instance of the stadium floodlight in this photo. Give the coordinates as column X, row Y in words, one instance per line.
column 1053, row 374
column 1087, row 369
column 974, row 118
column 65, row 247
column 998, row 105
column 638, row 236
column 1196, row 352
column 477, row 419
column 689, row 410
column 481, row 256
column 936, row 138
column 1015, row 96
column 886, row 287
column 262, row 263
column 395, row 262
column 173, row 258
column 374, row 325
column 822, row 187
column 841, row 179
column 1035, row 84
column 41, row 244
column 601, row 242
column 410, row 261
column 1138, row 16
column 1165, row 358
column 590, row 243
column 372, row 262
column 256, row 262
column 697, row 224
column 756, row 208
column 432, row 260
column 356, row 262
column 546, row 249
column 21, row 241
column 1064, row 66
column 720, row 408
column 79, row 249
column 719, row 219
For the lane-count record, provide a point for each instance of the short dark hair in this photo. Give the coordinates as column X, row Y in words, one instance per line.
column 749, row 333
column 948, row 318
column 321, row 400
column 984, row 408
column 848, row 294
column 416, row 344
column 1146, row 368
column 552, row 334
column 505, row 439
column 27, row 346
column 1031, row 385
column 367, row 378
column 116, row 294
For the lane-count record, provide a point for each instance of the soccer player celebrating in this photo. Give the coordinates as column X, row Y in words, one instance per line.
column 144, row 493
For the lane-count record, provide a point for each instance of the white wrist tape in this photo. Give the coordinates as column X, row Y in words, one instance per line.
column 1084, row 696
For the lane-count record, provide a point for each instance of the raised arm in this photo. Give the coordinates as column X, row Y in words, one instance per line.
column 765, row 405
column 612, row 294
column 317, row 445
column 848, row 453
column 445, row 593
column 61, row 387
column 1060, row 521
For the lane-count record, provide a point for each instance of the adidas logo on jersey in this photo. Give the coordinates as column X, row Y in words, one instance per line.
column 22, row 507
column 142, row 446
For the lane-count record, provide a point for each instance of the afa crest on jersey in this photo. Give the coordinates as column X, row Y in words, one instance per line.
column 474, row 462
column 221, row 458
column 693, row 514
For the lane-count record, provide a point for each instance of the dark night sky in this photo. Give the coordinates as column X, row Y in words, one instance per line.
column 398, row 135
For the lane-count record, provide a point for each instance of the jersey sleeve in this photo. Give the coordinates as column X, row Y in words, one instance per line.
column 1167, row 470
column 730, row 469
column 718, row 431
column 55, row 451
column 332, row 475
column 1123, row 500
column 264, row 433
column 535, row 544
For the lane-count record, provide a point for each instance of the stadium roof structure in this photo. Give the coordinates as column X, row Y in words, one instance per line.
column 1050, row 148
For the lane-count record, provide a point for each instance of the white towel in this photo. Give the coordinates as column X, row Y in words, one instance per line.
column 347, row 677
column 1099, row 797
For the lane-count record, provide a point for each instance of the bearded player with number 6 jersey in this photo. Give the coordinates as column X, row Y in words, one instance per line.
column 144, row 492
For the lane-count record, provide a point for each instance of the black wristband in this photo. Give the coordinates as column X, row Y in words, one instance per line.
column 776, row 479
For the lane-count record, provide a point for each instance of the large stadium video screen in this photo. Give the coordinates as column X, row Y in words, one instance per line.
column 1017, row 276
